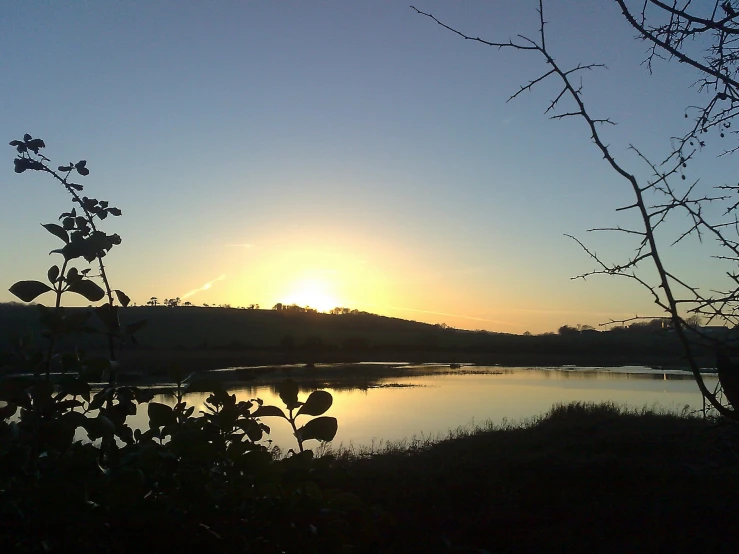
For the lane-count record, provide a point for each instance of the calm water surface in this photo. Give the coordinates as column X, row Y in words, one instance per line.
column 432, row 405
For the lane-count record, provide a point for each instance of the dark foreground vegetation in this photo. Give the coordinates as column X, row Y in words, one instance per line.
column 585, row 478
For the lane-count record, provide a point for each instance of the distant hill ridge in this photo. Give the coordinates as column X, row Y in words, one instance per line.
column 363, row 336
column 192, row 326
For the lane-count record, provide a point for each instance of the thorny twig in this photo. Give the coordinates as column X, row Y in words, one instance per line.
column 718, row 70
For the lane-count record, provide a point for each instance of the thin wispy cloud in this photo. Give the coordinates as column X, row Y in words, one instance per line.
column 206, row 286
column 568, row 312
column 431, row 312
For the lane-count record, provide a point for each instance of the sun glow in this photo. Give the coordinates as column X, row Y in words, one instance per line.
column 312, row 292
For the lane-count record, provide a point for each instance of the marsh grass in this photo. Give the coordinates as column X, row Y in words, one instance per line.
column 582, row 478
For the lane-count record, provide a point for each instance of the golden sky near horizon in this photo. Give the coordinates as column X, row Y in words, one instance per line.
column 345, row 154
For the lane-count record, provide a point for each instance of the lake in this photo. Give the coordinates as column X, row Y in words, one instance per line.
column 433, row 402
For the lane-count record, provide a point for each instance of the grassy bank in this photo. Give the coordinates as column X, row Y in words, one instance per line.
column 584, row 478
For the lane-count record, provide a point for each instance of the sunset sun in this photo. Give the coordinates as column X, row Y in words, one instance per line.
column 312, row 292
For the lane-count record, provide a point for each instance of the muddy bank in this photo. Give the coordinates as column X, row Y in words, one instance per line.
column 153, row 364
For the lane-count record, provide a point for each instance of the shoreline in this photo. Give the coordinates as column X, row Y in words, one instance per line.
column 233, row 371
column 157, row 361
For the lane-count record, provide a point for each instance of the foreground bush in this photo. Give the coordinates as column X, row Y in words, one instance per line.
column 75, row 476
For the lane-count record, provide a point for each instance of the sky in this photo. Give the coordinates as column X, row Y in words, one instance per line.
column 337, row 153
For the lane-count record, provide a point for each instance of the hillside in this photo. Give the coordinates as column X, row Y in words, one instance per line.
column 198, row 327
column 222, row 337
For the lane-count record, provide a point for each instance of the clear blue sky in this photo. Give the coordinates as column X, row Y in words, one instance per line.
column 349, row 153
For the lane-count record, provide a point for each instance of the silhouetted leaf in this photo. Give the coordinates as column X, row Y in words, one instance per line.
column 98, row 400
column 114, row 211
column 109, row 316
column 53, row 273
column 318, row 402
column 142, row 395
column 21, row 164
column 160, row 415
column 27, row 137
column 80, row 167
column 289, row 394
column 251, row 429
column 73, row 275
column 89, row 247
column 29, row 290
column 35, row 145
column 321, row 428
column 99, row 426
column 269, row 411
column 65, row 168
column 88, row 289
column 57, row 231
column 122, row 298
column 75, row 387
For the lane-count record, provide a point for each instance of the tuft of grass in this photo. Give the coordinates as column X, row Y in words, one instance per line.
column 583, row 477
column 595, row 410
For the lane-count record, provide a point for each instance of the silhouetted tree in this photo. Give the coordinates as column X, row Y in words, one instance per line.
column 651, row 326
column 567, row 331
column 694, row 321
column 702, row 36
